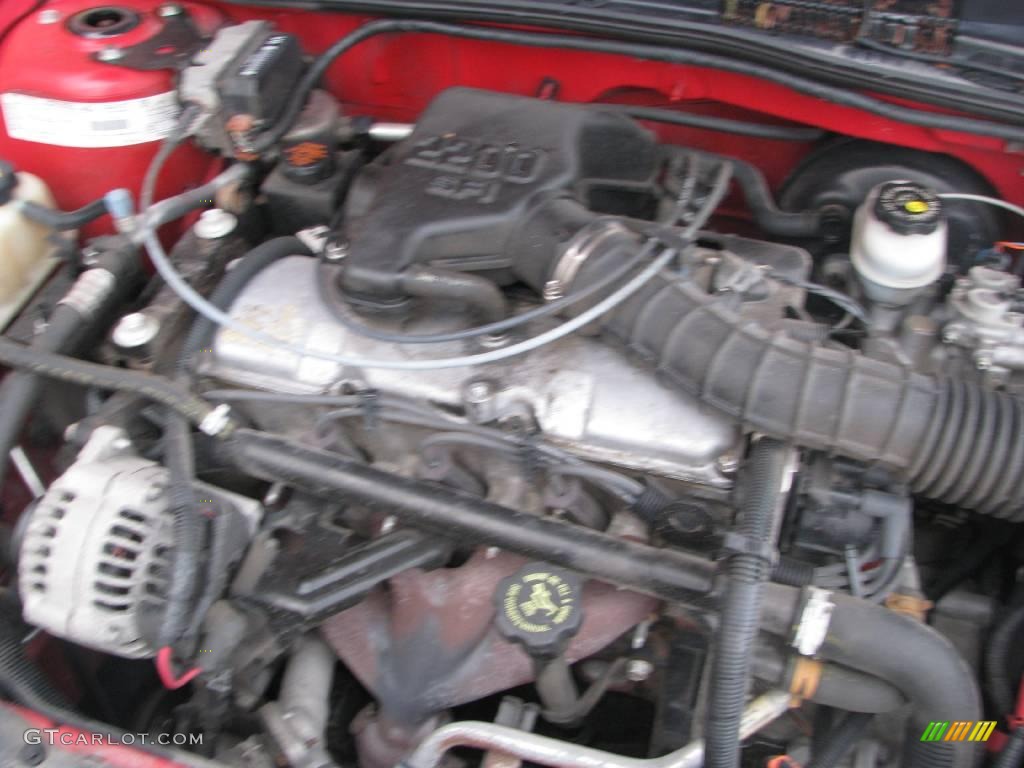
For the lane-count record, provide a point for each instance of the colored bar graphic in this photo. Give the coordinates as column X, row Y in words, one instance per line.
column 983, row 730
column 959, row 730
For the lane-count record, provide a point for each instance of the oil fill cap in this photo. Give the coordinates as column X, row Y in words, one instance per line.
column 540, row 607
column 908, row 208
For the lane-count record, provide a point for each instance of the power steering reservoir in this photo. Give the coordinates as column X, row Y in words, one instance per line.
column 899, row 242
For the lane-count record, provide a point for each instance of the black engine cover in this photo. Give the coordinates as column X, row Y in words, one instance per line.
column 458, row 191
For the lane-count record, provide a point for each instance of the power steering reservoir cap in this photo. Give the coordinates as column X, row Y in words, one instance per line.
column 540, row 607
column 908, row 208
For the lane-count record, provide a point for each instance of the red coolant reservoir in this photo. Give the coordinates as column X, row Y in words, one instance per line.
column 85, row 126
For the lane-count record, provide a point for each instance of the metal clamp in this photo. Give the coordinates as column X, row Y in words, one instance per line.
column 576, row 254
column 89, row 291
column 815, row 618
column 735, row 543
column 314, row 238
column 369, row 400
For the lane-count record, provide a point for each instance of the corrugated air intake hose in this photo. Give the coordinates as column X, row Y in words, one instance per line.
column 953, row 440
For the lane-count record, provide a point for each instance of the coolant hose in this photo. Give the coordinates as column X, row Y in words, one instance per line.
column 836, row 686
column 79, row 313
column 952, row 440
column 179, row 455
column 741, row 607
column 63, row 221
column 913, row 657
column 20, row 389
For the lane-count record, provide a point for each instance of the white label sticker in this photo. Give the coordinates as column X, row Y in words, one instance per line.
column 89, row 125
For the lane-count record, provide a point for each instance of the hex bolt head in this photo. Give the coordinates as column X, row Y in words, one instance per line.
column 169, row 10
column 728, row 462
column 479, row 391
column 110, row 54
column 478, row 397
column 135, row 330
column 215, row 224
column 638, row 670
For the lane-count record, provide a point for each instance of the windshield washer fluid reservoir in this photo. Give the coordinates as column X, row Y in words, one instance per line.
column 26, row 254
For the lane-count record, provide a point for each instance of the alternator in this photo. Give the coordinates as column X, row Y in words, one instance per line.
column 96, row 550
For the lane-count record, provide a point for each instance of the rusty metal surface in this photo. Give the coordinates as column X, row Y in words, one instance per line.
column 426, row 643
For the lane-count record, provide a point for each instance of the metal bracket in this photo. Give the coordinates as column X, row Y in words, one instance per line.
column 171, row 48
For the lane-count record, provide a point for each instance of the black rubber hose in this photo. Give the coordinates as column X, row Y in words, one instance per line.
column 761, row 203
column 838, row 686
column 172, row 208
column 338, row 306
column 913, row 657
column 156, row 388
column 843, row 687
column 1012, row 755
column 741, row 607
column 832, row 94
column 63, row 221
column 200, row 335
column 668, row 574
column 88, row 303
column 179, row 622
column 445, row 284
column 713, row 123
column 1003, row 647
column 20, row 390
column 795, row 573
column 179, row 458
column 952, row 440
column 840, row 740
column 17, row 672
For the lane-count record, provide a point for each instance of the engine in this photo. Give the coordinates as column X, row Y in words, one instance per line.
column 493, row 438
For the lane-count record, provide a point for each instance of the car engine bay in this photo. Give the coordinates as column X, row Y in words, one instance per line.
column 487, row 426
